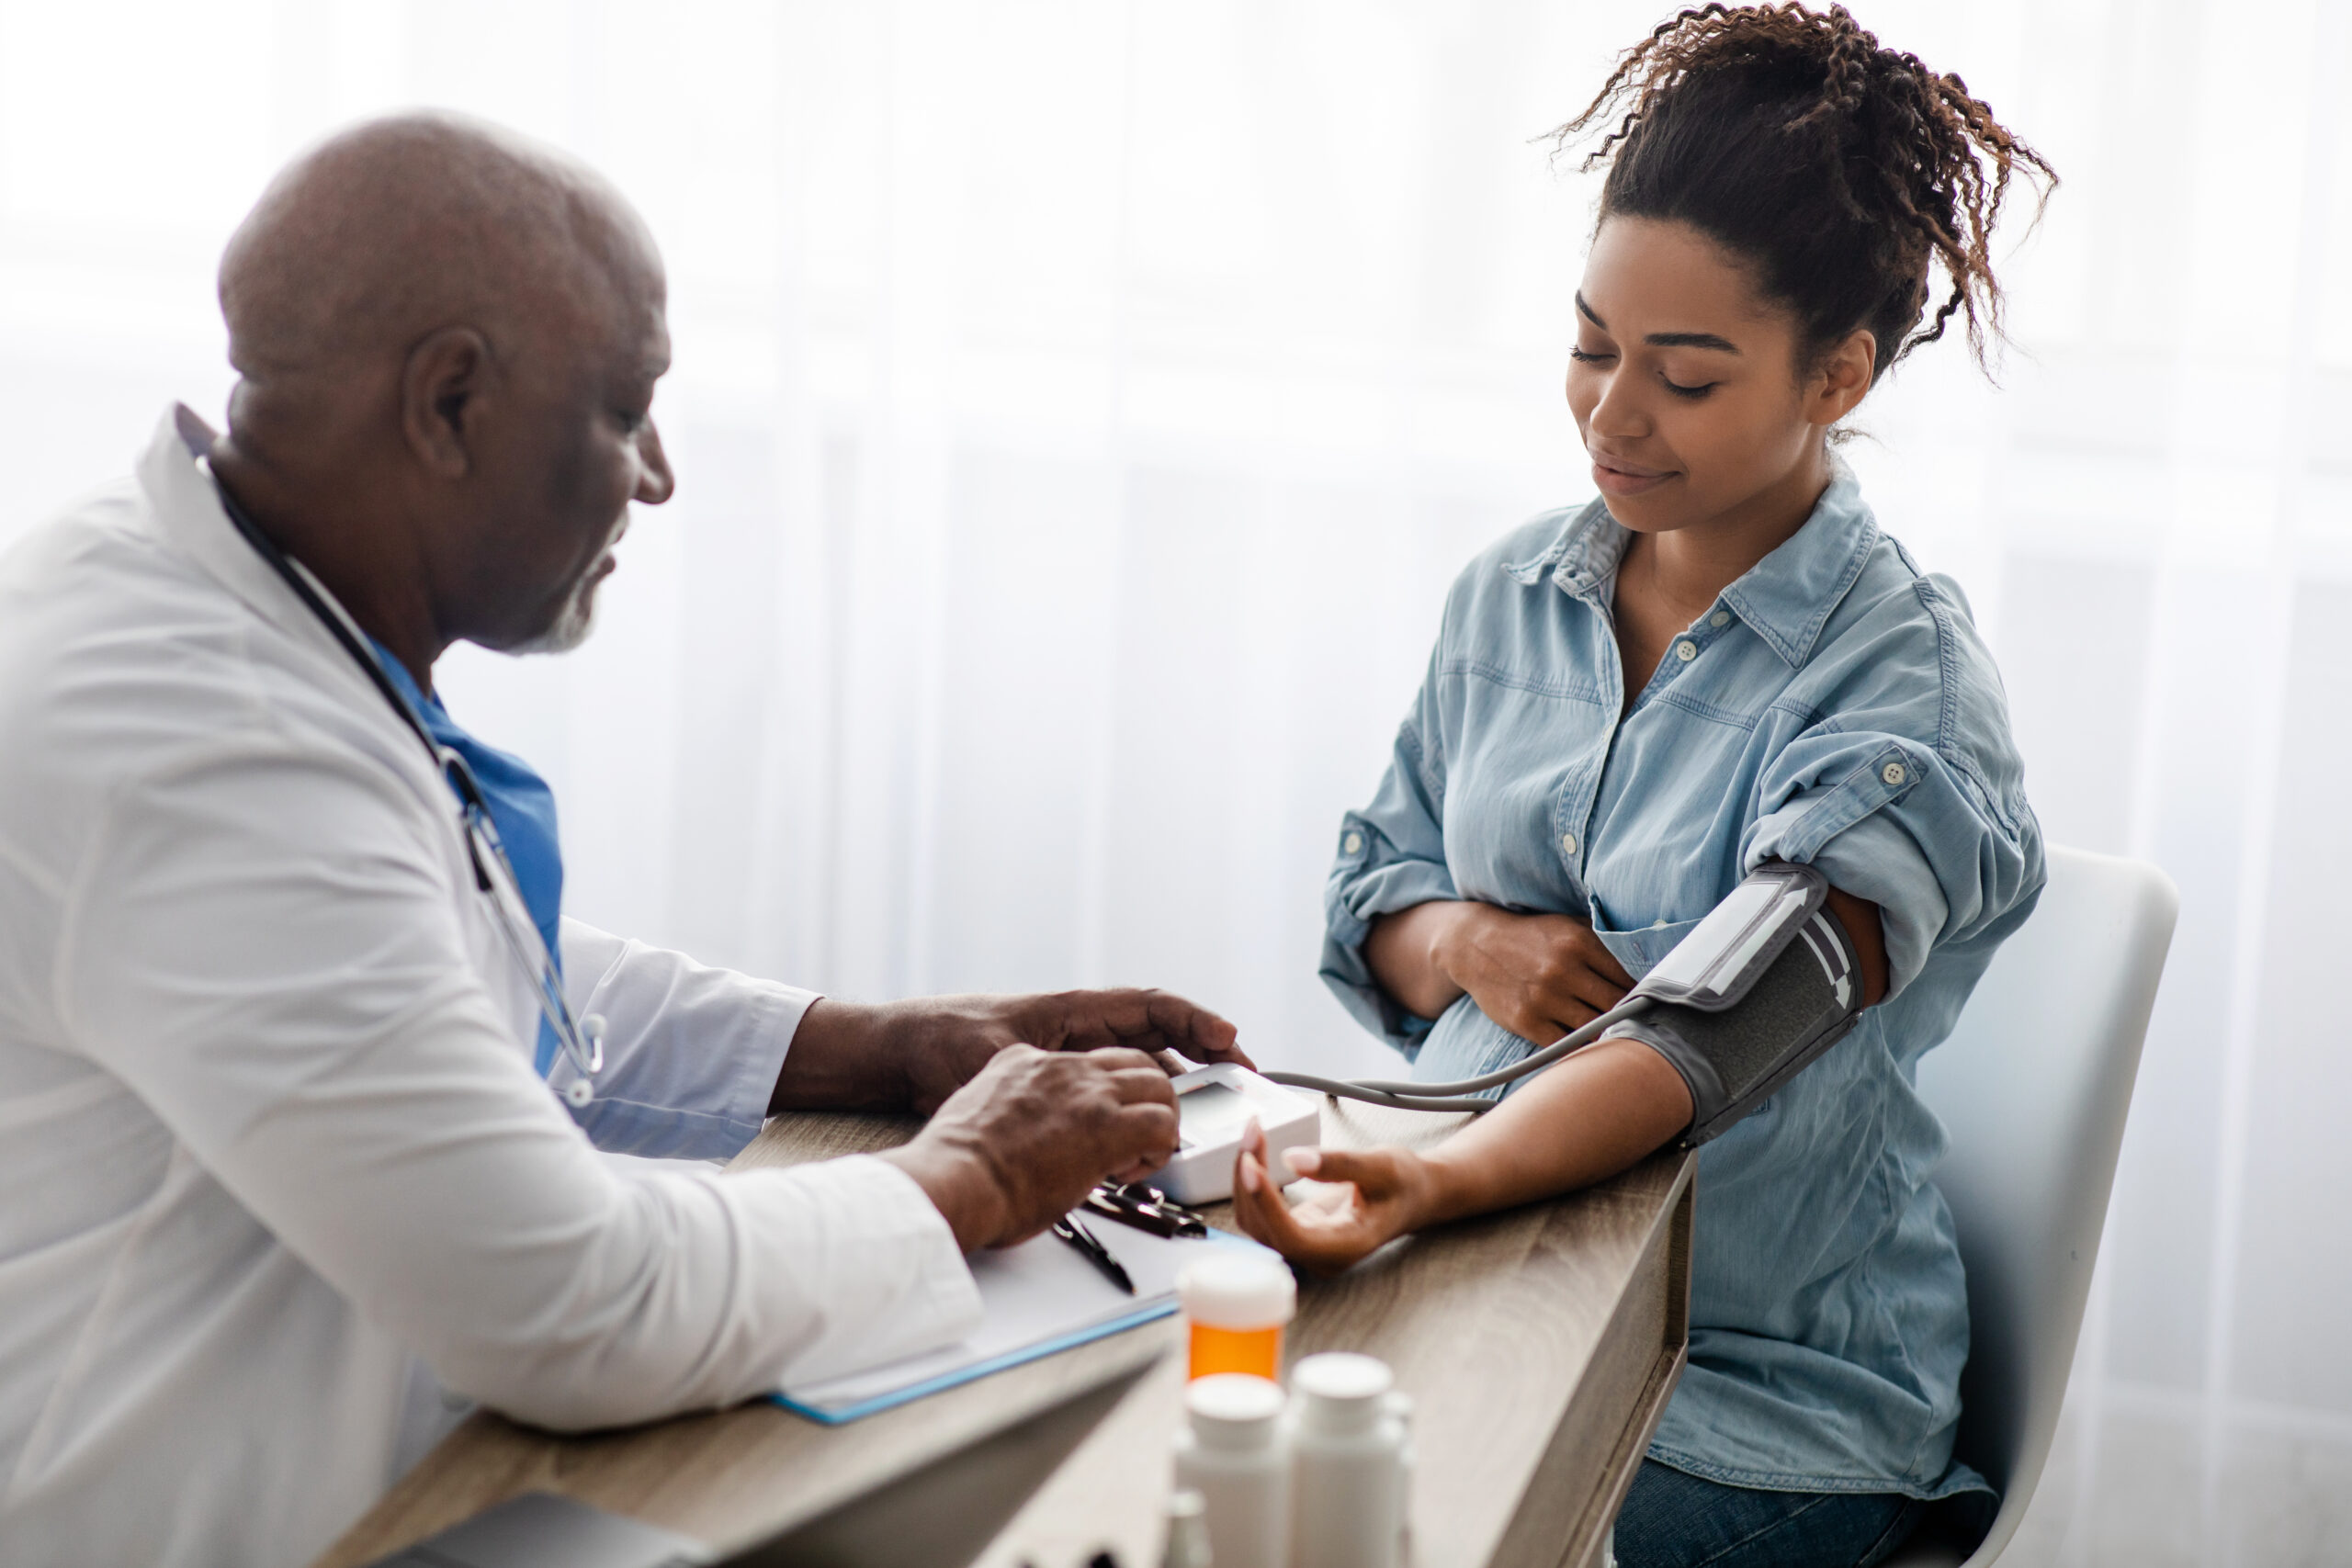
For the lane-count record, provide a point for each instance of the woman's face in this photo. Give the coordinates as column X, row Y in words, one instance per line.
column 1686, row 388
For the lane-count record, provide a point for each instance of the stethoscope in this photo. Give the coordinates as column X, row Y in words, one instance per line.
column 582, row 1040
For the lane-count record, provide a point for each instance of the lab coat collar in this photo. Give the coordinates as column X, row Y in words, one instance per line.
column 1786, row 598
column 193, row 520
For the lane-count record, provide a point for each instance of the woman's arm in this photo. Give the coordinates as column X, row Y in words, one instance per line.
column 1538, row 976
column 1575, row 1123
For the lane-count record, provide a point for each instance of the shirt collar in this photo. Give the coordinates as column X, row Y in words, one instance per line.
column 426, row 704
column 1785, row 599
column 1581, row 557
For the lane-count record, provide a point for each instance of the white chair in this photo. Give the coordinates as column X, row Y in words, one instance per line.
column 2033, row 1085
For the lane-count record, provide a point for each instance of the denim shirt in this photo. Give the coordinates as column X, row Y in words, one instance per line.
column 1834, row 706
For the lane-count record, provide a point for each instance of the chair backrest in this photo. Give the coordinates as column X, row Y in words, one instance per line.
column 2033, row 1085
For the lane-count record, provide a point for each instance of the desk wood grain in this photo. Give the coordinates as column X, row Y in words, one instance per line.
column 1539, row 1347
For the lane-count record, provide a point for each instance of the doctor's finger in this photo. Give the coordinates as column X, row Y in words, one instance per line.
column 1141, row 1082
column 1193, row 1031
column 1158, row 1020
column 1143, row 1138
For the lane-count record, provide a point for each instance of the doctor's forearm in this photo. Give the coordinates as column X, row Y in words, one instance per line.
column 841, row 1059
column 1594, row 1114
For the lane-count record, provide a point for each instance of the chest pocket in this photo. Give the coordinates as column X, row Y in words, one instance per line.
column 1641, row 950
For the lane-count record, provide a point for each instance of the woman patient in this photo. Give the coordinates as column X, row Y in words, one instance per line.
column 1633, row 703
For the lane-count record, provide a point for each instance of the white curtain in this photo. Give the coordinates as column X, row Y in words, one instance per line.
column 1081, row 406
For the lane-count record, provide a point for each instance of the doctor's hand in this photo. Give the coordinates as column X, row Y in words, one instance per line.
column 1538, row 976
column 1374, row 1196
column 1021, row 1145
column 915, row 1053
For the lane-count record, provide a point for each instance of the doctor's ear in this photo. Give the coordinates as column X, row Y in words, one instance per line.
column 444, row 377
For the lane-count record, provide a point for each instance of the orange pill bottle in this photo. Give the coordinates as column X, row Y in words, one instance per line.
column 1235, row 1306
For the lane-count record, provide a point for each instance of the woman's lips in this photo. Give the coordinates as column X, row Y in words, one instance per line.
column 1616, row 477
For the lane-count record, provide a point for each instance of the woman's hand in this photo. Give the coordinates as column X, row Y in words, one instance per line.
column 1378, row 1195
column 1538, row 976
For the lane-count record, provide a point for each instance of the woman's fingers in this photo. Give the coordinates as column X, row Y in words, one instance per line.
column 1597, row 991
column 1258, row 1202
column 1373, row 1170
column 1604, row 965
column 1323, row 1236
column 1563, row 1017
column 1259, row 1205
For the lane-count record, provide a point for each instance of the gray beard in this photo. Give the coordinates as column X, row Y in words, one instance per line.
column 571, row 627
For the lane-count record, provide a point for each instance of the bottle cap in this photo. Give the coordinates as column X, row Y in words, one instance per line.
column 1240, row 1292
column 1188, row 1531
column 1341, row 1390
column 1233, row 1410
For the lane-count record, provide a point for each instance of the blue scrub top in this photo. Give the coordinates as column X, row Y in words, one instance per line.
column 522, row 808
column 1834, row 706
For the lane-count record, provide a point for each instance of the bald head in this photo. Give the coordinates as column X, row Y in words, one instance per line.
column 406, row 225
column 447, row 339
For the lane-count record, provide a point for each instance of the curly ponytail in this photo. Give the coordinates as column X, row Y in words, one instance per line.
column 1842, row 169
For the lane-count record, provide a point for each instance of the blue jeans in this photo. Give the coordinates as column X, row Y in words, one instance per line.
column 1674, row 1521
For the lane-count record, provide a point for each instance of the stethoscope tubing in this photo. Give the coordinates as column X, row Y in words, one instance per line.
column 583, row 1046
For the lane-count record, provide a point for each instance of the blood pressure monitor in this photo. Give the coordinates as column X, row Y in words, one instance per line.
column 1215, row 1105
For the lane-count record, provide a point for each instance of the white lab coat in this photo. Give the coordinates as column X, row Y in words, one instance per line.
column 270, row 1138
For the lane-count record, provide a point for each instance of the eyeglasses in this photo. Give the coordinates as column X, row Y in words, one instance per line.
column 582, row 1040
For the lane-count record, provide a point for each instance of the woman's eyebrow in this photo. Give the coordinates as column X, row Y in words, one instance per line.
column 1692, row 340
column 1663, row 340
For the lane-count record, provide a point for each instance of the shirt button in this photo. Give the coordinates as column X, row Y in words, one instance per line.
column 1351, row 843
column 1567, row 843
column 1893, row 773
column 1685, row 650
column 1720, row 618
column 1658, row 924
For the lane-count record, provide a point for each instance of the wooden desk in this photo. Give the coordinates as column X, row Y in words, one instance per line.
column 1539, row 1346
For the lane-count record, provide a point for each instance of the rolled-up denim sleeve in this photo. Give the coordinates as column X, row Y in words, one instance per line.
column 1913, row 829
column 1392, row 856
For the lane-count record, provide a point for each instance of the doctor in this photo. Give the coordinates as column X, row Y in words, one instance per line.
column 282, row 1181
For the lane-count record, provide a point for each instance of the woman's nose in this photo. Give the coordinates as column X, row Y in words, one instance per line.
column 1618, row 415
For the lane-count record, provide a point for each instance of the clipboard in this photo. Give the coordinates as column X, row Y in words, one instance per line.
column 1037, row 1298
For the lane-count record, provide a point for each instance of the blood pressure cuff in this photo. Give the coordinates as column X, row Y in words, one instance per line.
column 1762, row 987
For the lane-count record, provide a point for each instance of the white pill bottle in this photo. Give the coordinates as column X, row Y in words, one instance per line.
column 1350, row 1464
column 1235, row 1451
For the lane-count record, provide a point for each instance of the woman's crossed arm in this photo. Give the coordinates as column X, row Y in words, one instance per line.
column 1575, row 1123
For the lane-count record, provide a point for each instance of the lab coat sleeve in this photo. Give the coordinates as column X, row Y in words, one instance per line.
column 264, row 943
column 691, row 1052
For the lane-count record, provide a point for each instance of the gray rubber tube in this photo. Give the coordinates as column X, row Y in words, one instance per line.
column 1407, row 1095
